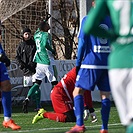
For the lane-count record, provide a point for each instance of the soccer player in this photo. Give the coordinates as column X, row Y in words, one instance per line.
column 62, row 101
column 121, row 58
column 42, row 40
column 92, row 61
column 5, row 87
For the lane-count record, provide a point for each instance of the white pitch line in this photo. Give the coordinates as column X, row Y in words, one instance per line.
column 60, row 128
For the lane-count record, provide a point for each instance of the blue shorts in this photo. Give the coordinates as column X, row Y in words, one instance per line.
column 87, row 79
column 3, row 73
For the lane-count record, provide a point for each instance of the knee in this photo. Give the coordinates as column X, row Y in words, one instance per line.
column 38, row 82
column 105, row 95
column 54, row 83
column 78, row 91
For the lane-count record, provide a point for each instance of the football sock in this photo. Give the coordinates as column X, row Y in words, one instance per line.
column 105, row 110
column 79, row 109
column 6, row 103
column 55, row 116
column 88, row 99
column 37, row 98
column 32, row 90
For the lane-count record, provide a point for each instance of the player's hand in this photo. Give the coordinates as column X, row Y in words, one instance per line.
column 7, row 62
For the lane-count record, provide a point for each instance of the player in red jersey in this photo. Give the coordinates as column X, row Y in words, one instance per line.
column 62, row 101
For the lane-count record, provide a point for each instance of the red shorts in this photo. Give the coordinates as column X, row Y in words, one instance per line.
column 60, row 101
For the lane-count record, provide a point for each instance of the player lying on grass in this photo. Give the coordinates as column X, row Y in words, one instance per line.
column 62, row 101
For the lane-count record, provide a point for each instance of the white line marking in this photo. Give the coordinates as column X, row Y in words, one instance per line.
column 60, row 128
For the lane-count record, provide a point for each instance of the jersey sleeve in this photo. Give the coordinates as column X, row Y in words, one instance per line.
column 81, row 43
column 1, row 50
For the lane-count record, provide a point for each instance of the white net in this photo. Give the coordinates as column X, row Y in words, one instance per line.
column 17, row 14
column 10, row 7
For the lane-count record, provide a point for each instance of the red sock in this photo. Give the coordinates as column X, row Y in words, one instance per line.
column 88, row 99
column 55, row 116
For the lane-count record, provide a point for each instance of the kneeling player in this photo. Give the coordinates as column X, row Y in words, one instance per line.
column 62, row 101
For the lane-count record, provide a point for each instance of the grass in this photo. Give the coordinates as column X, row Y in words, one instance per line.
column 49, row 126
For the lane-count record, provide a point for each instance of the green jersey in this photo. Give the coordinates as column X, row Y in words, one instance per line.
column 121, row 34
column 43, row 43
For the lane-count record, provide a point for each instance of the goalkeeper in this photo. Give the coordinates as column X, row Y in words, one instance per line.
column 62, row 101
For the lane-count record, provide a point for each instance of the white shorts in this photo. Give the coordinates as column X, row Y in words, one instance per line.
column 44, row 70
column 121, row 81
column 27, row 81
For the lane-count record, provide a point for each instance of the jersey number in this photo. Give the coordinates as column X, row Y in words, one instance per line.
column 38, row 45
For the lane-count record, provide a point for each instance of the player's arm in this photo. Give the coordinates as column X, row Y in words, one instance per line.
column 48, row 45
column 81, row 46
column 3, row 58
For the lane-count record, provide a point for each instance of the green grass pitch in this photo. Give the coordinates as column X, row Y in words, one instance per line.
column 49, row 126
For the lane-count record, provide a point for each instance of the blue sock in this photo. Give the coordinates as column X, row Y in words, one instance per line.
column 6, row 103
column 79, row 109
column 105, row 110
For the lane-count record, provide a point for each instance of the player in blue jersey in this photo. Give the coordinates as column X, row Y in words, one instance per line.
column 5, row 88
column 121, row 57
column 92, row 61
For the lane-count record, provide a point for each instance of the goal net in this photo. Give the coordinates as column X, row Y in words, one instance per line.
column 10, row 7
column 17, row 14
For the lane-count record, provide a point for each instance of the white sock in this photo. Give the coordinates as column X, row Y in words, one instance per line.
column 7, row 118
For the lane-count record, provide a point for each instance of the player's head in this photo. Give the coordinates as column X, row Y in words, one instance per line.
column 26, row 34
column 44, row 26
column 93, row 3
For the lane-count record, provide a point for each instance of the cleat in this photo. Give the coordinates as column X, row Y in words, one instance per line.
column 93, row 117
column 129, row 128
column 39, row 116
column 103, row 131
column 77, row 129
column 86, row 114
column 25, row 106
column 11, row 124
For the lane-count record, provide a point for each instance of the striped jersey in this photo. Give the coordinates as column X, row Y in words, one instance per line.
column 42, row 40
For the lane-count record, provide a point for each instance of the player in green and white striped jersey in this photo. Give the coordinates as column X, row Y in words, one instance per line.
column 44, row 67
column 121, row 58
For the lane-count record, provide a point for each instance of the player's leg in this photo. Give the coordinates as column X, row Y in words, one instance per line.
column 37, row 79
column 82, row 81
column 59, row 100
column 121, row 91
column 37, row 98
column 5, row 86
column 49, row 115
column 50, row 75
column 105, row 109
column 78, row 110
column 104, row 87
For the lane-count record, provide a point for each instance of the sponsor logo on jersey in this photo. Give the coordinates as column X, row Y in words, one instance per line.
column 101, row 49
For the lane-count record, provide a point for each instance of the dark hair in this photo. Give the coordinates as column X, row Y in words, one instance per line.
column 41, row 25
column 26, row 29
